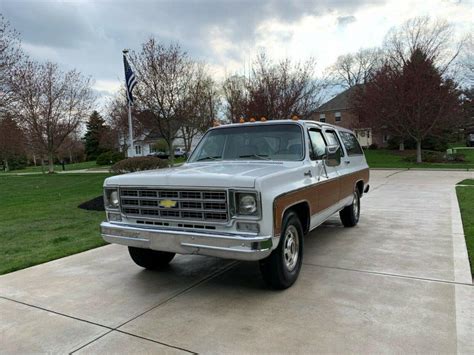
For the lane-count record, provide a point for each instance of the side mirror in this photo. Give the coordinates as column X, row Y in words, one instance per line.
column 333, row 155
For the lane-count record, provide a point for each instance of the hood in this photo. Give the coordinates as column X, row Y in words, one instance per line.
column 209, row 174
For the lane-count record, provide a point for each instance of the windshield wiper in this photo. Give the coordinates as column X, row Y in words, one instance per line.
column 259, row 156
column 209, row 157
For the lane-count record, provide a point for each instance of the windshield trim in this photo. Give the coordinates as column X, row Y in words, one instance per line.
column 303, row 142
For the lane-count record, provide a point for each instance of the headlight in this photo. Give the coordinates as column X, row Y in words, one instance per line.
column 246, row 203
column 111, row 198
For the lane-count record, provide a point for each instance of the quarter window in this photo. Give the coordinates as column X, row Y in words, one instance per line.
column 351, row 143
column 317, row 143
column 332, row 139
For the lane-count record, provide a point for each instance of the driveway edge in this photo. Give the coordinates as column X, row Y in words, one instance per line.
column 462, row 270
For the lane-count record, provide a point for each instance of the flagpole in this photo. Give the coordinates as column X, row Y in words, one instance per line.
column 130, row 127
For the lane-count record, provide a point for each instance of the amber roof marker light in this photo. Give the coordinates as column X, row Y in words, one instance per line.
column 263, row 119
column 252, row 119
column 241, row 120
column 295, row 118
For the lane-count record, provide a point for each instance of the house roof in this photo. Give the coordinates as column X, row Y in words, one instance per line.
column 339, row 102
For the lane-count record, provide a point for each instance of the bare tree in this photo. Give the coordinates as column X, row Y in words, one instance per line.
column 143, row 122
column 50, row 103
column 165, row 79
column 274, row 91
column 235, row 98
column 467, row 61
column 203, row 107
column 434, row 38
column 10, row 54
column 356, row 68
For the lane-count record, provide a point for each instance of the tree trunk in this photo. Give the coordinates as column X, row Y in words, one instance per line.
column 402, row 146
column 50, row 163
column 6, row 165
column 34, row 159
column 418, row 151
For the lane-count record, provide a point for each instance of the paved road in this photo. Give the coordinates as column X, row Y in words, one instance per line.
column 398, row 282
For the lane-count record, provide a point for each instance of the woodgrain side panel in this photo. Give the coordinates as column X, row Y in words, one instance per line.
column 318, row 196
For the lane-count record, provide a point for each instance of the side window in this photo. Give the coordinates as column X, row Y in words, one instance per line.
column 351, row 143
column 317, row 143
column 332, row 139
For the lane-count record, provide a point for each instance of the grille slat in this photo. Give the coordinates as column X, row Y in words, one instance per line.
column 208, row 205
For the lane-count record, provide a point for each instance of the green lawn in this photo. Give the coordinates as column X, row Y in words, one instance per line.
column 68, row 167
column 383, row 158
column 40, row 221
column 466, row 204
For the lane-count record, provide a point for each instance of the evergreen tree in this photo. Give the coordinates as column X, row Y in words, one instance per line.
column 96, row 129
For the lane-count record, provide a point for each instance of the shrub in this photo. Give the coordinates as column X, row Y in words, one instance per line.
column 16, row 162
column 439, row 144
column 109, row 158
column 373, row 146
column 138, row 164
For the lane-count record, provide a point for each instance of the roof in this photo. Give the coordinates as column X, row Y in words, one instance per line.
column 339, row 102
column 288, row 121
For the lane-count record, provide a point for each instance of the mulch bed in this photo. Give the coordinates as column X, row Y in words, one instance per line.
column 96, row 204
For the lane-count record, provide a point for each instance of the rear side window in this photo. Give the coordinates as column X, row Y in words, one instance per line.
column 351, row 143
column 332, row 139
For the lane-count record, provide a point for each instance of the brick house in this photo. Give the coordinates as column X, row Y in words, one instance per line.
column 338, row 111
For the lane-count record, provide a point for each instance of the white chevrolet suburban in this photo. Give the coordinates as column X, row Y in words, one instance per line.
column 248, row 191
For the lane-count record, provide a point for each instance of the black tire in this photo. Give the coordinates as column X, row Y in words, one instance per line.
column 278, row 270
column 350, row 214
column 150, row 259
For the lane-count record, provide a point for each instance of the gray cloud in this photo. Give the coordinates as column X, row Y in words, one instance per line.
column 345, row 20
column 90, row 35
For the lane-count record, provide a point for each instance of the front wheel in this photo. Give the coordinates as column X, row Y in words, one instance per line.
column 350, row 214
column 281, row 269
column 150, row 259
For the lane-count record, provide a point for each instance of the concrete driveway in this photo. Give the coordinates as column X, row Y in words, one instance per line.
column 398, row 282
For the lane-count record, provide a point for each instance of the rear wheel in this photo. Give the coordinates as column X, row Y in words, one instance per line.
column 350, row 214
column 150, row 259
column 281, row 269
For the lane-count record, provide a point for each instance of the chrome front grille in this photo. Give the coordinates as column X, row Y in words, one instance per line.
column 196, row 205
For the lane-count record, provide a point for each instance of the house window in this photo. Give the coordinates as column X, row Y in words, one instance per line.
column 322, row 117
column 337, row 116
column 138, row 149
column 385, row 138
column 152, row 148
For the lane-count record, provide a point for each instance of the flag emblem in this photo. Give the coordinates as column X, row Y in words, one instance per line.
column 130, row 79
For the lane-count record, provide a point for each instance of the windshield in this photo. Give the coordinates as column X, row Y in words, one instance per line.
column 258, row 142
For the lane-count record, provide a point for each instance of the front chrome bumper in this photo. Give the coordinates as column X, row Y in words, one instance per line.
column 230, row 246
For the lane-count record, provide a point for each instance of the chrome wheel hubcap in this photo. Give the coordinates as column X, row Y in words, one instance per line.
column 291, row 248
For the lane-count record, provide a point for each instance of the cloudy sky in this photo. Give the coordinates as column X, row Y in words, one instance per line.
column 90, row 35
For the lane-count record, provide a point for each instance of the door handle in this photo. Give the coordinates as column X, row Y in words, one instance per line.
column 347, row 161
column 308, row 173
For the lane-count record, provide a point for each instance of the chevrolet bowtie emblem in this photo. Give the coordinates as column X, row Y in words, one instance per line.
column 167, row 203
